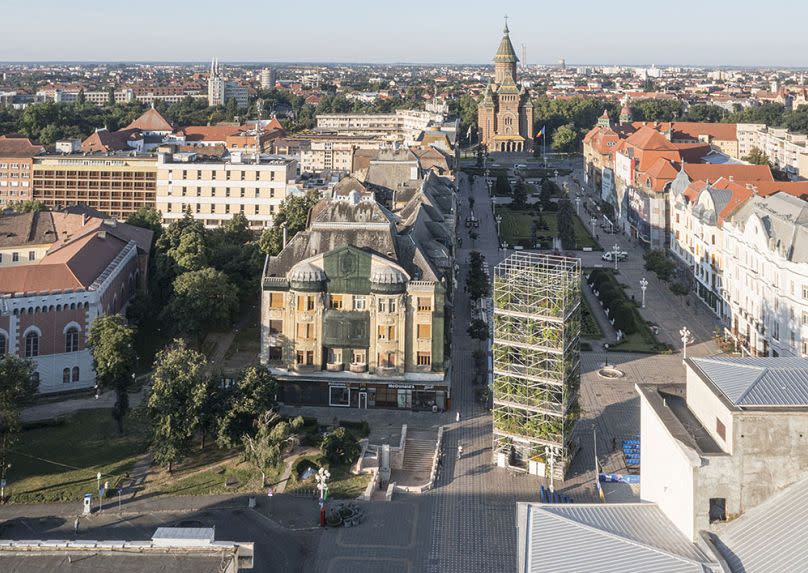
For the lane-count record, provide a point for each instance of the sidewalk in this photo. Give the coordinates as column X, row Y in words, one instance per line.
column 52, row 410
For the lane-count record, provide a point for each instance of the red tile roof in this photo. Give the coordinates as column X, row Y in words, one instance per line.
column 795, row 188
column 18, row 147
column 712, row 172
column 151, row 120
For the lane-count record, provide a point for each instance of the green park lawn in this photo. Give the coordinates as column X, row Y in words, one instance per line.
column 59, row 463
column 342, row 485
column 517, row 224
column 590, row 328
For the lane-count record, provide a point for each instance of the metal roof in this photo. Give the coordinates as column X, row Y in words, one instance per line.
column 628, row 538
column 758, row 381
column 769, row 538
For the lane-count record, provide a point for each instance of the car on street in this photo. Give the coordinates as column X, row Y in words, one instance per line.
column 609, row 256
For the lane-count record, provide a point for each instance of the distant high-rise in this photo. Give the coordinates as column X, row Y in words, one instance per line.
column 220, row 90
column 268, row 78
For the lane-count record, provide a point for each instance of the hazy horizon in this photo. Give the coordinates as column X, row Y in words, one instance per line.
column 721, row 34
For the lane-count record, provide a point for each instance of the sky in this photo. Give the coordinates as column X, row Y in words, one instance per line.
column 687, row 32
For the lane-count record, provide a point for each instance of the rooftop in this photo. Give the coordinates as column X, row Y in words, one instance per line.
column 625, row 537
column 757, row 382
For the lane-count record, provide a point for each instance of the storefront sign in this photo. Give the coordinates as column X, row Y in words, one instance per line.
column 402, row 386
column 337, row 385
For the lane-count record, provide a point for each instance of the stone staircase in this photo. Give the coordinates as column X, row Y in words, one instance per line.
column 419, row 452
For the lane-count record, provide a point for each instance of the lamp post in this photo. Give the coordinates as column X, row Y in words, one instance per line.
column 499, row 222
column 98, row 478
column 555, row 172
column 615, row 252
column 685, row 333
column 577, row 205
column 321, row 477
column 592, row 221
column 550, row 453
column 643, row 286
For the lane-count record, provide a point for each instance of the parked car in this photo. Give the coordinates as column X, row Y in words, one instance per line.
column 609, row 256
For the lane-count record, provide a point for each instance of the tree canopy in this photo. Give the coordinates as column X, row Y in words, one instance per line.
column 111, row 343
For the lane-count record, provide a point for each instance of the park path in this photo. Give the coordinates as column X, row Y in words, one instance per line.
column 51, row 410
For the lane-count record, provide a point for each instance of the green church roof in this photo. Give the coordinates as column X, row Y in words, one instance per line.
column 506, row 53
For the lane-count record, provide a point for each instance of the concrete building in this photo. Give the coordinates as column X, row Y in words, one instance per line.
column 268, row 78
column 733, row 441
column 505, row 114
column 220, row 90
column 179, row 549
column 404, row 126
column 787, row 151
column 117, row 185
column 353, row 309
column 58, row 273
column 16, row 160
column 213, row 191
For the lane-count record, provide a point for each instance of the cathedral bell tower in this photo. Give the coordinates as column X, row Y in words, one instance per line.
column 505, row 60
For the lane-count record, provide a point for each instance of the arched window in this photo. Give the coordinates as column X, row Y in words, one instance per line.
column 75, row 374
column 3, row 344
column 72, row 339
column 31, row 344
column 66, row 376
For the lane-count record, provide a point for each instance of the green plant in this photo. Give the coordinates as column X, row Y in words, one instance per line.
column 339, row 447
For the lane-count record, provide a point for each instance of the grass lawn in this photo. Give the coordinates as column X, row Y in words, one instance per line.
column 343, row 484
column 208, row 472
column 643, row 340
column 589, row 326
column 517, row 225
column 59, row 463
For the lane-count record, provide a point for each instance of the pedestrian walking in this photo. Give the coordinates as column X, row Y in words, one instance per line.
column 457, row 417
column 76, row 526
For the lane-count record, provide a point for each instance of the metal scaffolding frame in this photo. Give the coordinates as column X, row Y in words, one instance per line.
column 536, row 356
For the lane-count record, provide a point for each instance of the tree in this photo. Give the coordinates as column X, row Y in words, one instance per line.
column 147, row 217
column 565, row 138
column 293, row 214
column 757, row 157
column 502, row 186
column 519, row 195
column 705, row 113
column 254, row 393
column 18, row 386
column 339, row 447
column 81, row 99
column 477, row 279
column 273, row 435
column 624, row 318
column 191, row 254
column 111, row 343
column 656, row 109
column 175, row 401
column 111, row 95
column 478, row 329
column 566, row 229
column 202, row 299
column 27, row 206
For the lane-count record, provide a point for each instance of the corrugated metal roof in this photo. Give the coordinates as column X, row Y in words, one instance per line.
column 758, row 381
column 770, row 538
column 613, row 537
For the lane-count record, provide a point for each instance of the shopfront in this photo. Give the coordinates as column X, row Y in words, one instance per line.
column 365, row 395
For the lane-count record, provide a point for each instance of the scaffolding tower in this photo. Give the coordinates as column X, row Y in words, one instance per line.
column 536, row 356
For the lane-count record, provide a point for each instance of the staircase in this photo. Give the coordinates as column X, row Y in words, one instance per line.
column 419, row 452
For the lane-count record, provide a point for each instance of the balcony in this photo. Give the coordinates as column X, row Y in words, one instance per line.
column 335, row 366
column 358, row 368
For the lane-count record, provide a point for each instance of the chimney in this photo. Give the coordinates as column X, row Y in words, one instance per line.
column 84, row 218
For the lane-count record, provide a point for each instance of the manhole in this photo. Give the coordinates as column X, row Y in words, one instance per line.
column 610, row 372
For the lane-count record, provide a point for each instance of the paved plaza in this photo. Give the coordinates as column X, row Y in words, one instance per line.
column 466, row 523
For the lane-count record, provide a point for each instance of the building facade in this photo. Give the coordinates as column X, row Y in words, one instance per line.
column 16, row 161
column 77, row 268
column 505, row 115
column 353, row 311
column 117, row 185
column 787, row 151
column 403, row 126
column 220, row 89
column 213, row 191
column 765, row 255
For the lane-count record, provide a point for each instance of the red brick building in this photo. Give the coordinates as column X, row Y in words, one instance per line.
column 58, row 273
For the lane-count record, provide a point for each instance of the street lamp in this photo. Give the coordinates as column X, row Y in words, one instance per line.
column 577, row 205
column 615, row 252
column 98, row 478
column 643, row 286
column 321, row 477
column 685, row 333
column 555, row 172
column 499, row 221
column 592, row 221
column 550, row 453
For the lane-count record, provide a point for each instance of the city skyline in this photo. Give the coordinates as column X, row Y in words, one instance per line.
column 360, row 34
